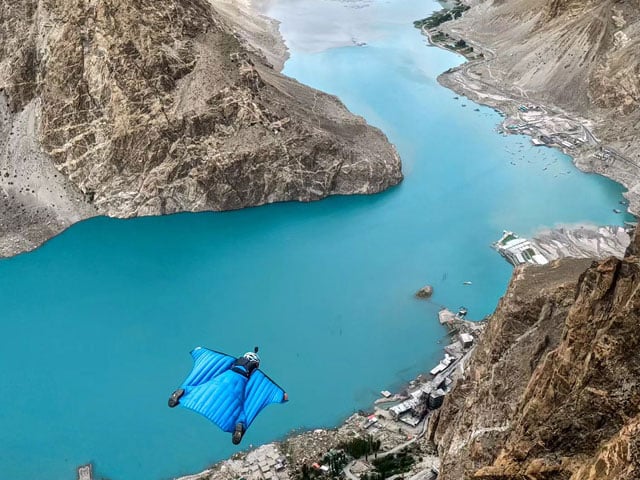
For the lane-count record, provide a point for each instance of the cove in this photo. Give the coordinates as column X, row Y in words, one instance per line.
column 98, row 323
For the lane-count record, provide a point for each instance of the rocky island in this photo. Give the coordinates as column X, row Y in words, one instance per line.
column 154, row 107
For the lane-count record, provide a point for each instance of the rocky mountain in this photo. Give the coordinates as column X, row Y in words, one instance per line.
column 145, row 107
column 553, row 388
column 579, row 57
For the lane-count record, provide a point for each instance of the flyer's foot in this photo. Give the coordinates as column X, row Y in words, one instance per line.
column 237, row 434
column 174, row 399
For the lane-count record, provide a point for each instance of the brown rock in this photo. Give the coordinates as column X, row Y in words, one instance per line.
column 425, row 292
column 158, row 106
column 553, row 389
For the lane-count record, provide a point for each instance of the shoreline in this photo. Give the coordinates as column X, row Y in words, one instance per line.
column 547, row 125
column 283, row 459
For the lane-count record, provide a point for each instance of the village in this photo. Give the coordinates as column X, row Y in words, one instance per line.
column 378, row 444
column 381, row 443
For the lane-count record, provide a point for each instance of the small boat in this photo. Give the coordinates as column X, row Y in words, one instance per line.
column 467, row 283
column 615, row 210
column 462, row 312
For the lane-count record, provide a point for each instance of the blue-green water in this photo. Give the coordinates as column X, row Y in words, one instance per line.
column 98, row 323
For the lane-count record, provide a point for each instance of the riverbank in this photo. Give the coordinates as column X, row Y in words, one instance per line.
column 482, row 80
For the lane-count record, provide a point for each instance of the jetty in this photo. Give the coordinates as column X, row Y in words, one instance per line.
column 85, row 472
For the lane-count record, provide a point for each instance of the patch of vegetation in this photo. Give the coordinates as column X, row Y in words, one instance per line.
column 390, row 465
column 461, row 44
column 336, row 460
column 361, row 447
column 444, row 15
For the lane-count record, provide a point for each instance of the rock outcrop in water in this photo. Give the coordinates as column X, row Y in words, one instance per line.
column 147, row 107
column 553, row 389
column 579, row 58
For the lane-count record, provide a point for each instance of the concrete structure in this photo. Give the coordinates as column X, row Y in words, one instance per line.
column 518, row 250
column 85, row 472
column 436, row 399
column 466, row 339
column 454, row 349
column 442, row 366
column 404, row 407
column 437, row 369
column 410, row 420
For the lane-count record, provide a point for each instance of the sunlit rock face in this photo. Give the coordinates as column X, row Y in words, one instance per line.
column 553, row 389
column 157, row 106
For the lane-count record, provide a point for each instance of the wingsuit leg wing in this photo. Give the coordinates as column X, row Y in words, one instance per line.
column 221, row 399
column 207, row 364
column 260, row 392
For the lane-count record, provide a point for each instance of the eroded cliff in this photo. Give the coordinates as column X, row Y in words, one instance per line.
column 144, row 107
column 553, row 389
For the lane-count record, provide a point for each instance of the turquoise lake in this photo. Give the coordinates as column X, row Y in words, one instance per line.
column 98, row 323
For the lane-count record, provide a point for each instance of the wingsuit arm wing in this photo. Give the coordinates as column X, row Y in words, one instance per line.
column 260, row 392
column 206, row 365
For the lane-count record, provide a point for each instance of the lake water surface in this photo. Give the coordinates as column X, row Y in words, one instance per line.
column 99, row 322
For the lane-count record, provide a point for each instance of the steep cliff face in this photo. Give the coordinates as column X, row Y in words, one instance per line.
column 579, row 55
column 553, row 390
column 158, row 106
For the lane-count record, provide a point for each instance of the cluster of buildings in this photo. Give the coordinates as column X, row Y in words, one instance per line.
column 430, row 394
column 518, row 250
column 261, row 464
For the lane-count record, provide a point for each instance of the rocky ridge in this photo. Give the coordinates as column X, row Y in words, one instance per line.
column 552, row 390
column 584, row 241
column 152, row 107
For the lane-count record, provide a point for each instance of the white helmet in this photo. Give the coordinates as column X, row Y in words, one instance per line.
column 252, row 357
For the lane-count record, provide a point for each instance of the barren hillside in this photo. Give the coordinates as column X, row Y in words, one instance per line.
column 552, row 391
column 148, row 107
column 582, row 56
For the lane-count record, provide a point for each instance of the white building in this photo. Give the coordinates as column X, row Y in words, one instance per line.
column 518, row 250
column 404, row 407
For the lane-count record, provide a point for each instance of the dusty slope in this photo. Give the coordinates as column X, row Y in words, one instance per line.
column 580, row 58
column 553, row 390
column 157, row 106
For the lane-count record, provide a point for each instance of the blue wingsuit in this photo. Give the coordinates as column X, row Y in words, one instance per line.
column 227, row 390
